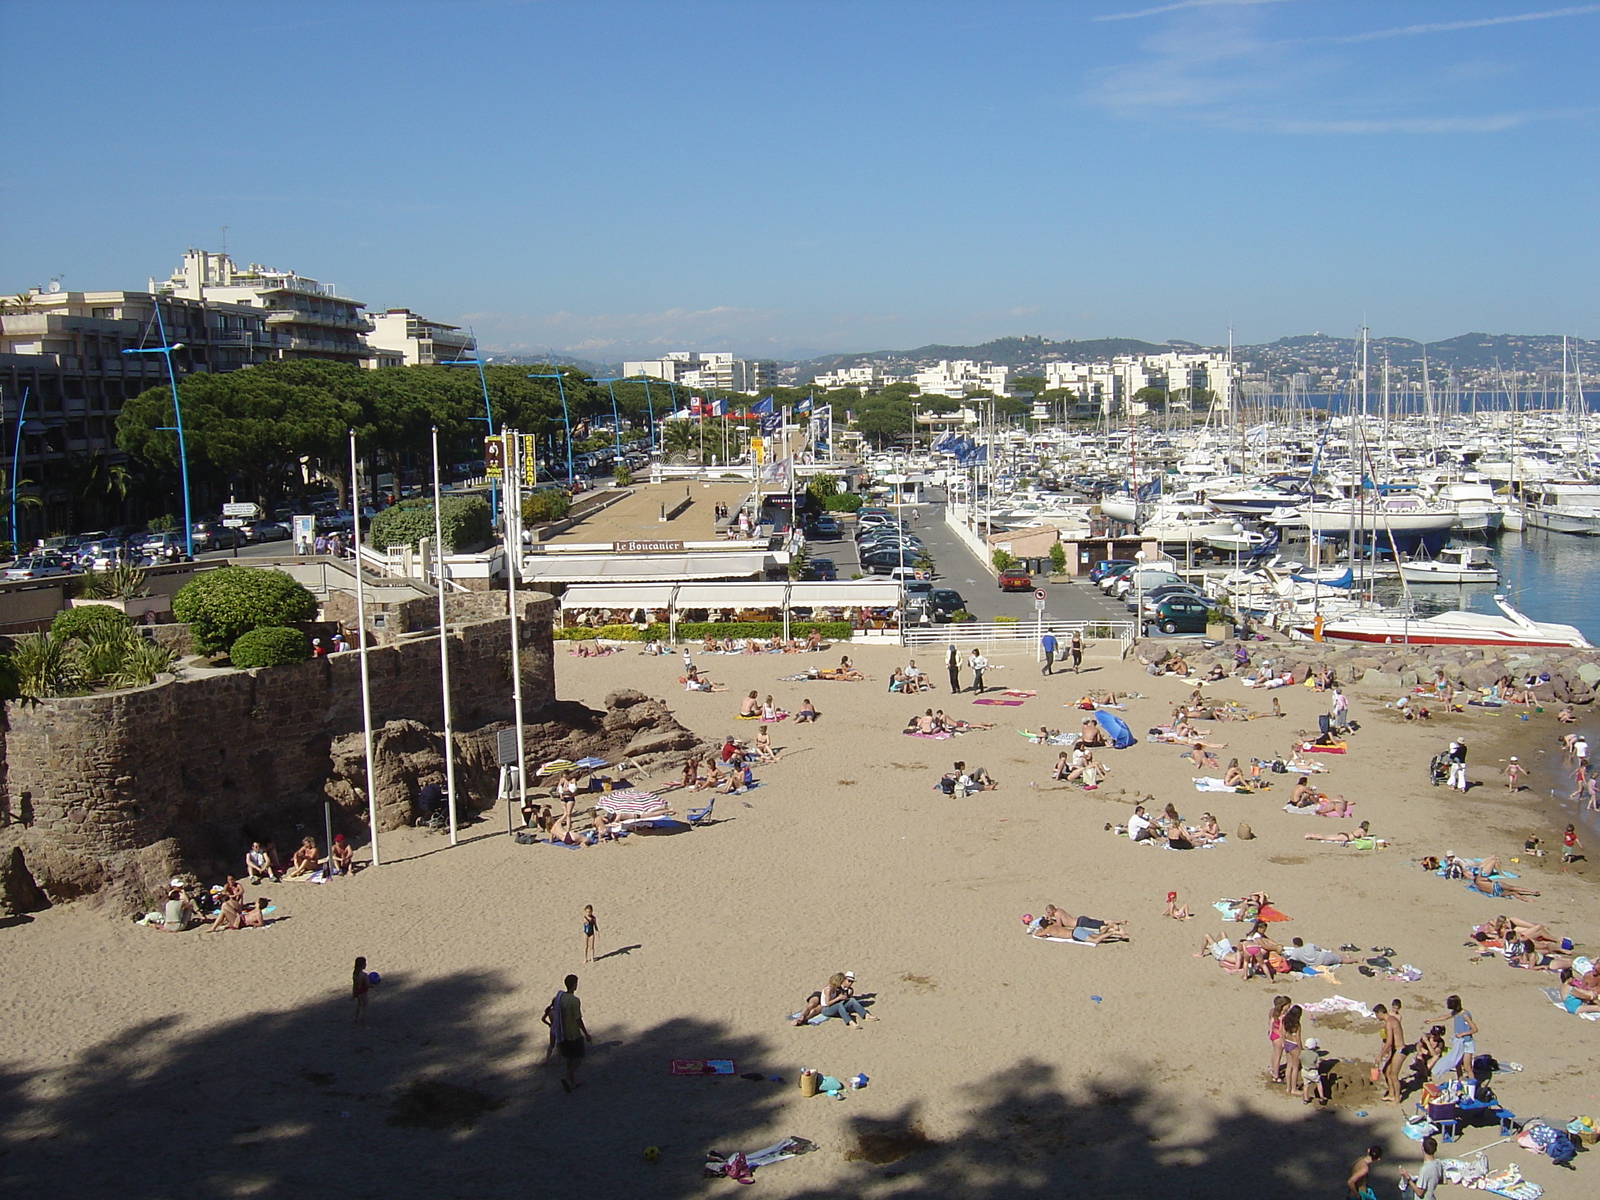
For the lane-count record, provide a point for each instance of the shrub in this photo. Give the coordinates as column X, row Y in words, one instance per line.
column 142, row 661
column 45, row 666
column 81, row 623
column 842, row 502
column 1004, row 620
column 622, row 475
column 270, row 646
column 545, row 505
column 223, row 605
column 464, row 521
column 694, row 631
column 165, row 523
column 1002, row 559
column 1058, row 559
column 582, row 633
column 823, row 486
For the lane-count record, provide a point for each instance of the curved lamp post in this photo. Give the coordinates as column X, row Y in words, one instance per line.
column 488, row 416
column 566, row 418
column 177, row 413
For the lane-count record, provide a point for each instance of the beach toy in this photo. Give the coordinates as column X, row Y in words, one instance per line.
column 374, row 978
column 651, row 1153
column 858, row 1081
column 1027, row 918
column 1096, row 999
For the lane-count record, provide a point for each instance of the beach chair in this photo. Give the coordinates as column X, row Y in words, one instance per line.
column 696, row 815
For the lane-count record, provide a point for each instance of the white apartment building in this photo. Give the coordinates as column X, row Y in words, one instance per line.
column 310, row 319
column 402, row 337
column 718, row 370
column 954, row 378
column 1108, row 386
column 870, row 378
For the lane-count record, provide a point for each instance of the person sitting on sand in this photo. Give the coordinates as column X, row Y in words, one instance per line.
column 1093, row 734
column 1061, row 772
column 926, row 723
column 1090, row 772
column 236, row 914
column 764, row 750
column 342, row 856
column 258, row 864
column 179, row 911
column 847, row 669
column 1178, row 912
column 1234, row 776
column 809, row 1009
column 1302, row 795
column 305, row 861
column 1362, row 831
column 750, row 707
column 814, row 640
column 1206, row 832
column 838, row 1000
column 1215, row 675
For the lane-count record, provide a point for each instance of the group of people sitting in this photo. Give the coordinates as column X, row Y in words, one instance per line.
column 1305, row 798
column 1080, row 766
column 932, row 721
column 910, row 679
column 1257, row 954
column 845, row 672
column 753, row 709
column 962, row 780
column 1168, row 828
column 1059, row 925
column 836, row 999
column 261, row 860
column 772, row 645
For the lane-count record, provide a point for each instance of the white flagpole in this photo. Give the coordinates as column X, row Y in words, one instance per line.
column 513, row 460
column 361, row 640
column 444, row 644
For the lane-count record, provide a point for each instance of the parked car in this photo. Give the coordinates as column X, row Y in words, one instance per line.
column 1181, row 615
column 820, row 568
column 214, row 535
column 1144, row 579
column 1105, row 565
column 37, row 566
column 265, row 531
column 1015, row 579
column 1108, row 579
column 945, row 602
column 826, row 526
column 1155, row 596
column 161, row 547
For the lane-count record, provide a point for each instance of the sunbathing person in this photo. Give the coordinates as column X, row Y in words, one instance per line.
column 1200, row 754
column 1302, row 795
column 1206, row 832
column 1311, row 955
column 1499, row 887
column 1222, row 950
column 812, row 1007
column 1055, row 922
column 1094, row 931
column 1234, row 776
column 1362, row 831
column 1062, row 771
column 814, row 640
column 305, row 861
column 1504, row 927
column 764, row 750
column 343, row 857
column 806, row 714
column 1177, row 666
column 1093, row 735
column 237, row 914
column 258, row 864
column 750, row 707
column 1216, row 674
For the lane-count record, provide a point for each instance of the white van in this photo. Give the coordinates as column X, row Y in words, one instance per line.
column 1145, row 578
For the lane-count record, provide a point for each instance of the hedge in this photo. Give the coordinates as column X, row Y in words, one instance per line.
column 221, row 606
column 694, row 631
column 83, row 622
column 270, row 646
column 842, row 502
column 546, row 504
column 464, row 521
column 617, row 633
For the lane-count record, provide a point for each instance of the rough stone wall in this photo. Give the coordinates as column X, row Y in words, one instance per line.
column 96, row 784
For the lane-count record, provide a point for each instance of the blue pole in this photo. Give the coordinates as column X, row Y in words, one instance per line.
column 488, row 413
column 616, row 421
column 177, row 412
column 16, row 456
column 566, row 418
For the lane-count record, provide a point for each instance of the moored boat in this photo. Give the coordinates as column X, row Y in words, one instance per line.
column 1450, row 629
column 1466, row 564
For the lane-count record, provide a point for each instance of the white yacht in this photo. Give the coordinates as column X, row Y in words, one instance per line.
column 1470, row 564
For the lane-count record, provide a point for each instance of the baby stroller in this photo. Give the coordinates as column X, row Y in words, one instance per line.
column 1439, row 768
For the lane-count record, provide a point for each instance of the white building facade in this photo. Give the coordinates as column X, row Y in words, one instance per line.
column 401, row 336
column 1108, row 387
column 717, row 370
column 955, row 378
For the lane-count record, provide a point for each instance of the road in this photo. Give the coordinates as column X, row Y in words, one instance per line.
column 956, row 566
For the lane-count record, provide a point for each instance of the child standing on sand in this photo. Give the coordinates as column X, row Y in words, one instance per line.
column 1514, row 773
column 590, row 928
column 359, row 986
column 1570, row 847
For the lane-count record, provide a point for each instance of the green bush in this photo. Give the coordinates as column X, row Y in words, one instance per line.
column 270, row 646
column 694, row 631
column 580, row 633
column 842, row 502
column 622, row 475
column 223, row 605
column 1058, row 559
column 1002, row 559
column 546, row 505
column 1004, row 620
column 44, row 665
column 464, row 520
column 81, row 623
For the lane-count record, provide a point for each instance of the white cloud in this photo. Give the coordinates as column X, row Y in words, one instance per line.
column 1476, row 23
column 1182, row 4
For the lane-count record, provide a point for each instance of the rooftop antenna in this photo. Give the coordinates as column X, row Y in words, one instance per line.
column 224, row 239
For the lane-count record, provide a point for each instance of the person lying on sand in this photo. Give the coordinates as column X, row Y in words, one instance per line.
column 1343, row 837
column 1499, row 887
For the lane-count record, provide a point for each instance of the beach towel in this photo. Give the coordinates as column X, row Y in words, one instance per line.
column 940, row 736
column 1335, row 1004
column 702, row 1066
column 1313, row 748
column 1116, row 729
column 1210, row 783
column 1002, row 703
column 1019, row 695
column 1067, row 941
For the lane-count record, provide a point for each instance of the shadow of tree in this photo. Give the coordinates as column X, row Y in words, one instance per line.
column 446, row 1094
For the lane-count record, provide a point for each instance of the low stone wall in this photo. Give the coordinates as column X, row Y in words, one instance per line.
column 101, row 787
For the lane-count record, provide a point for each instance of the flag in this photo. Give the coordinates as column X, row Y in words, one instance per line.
column 716, row 408
column 771, row 423
column 802, row 405
column 763, row 405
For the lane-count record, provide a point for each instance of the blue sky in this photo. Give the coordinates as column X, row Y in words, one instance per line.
column 773, row 178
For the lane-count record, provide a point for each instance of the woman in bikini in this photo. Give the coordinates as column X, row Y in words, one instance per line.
column 1280, row 1005
column 305, row 861
column 1234, row 776
column 1290, row 1030
column 764, row 750
column 1343, row 837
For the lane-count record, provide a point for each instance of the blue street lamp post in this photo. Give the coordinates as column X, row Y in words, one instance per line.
column 488, row 417
column 650, row 404
column 16, row 456
column 566, row 418
column 616, row 420
column 177, row 412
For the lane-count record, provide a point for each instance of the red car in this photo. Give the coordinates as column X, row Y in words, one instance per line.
column 1015, row 579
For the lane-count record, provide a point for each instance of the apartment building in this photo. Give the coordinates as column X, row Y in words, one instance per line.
column 310, row 319
column 718, row 370
column 868, row 379
column 400, row 337
column 64, row 376
column 1106, row 387
column 955, row 378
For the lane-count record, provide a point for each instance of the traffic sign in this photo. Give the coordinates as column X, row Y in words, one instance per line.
column 1038, row 594
column 241, row 510
column 1038, row 604
column 233, row 522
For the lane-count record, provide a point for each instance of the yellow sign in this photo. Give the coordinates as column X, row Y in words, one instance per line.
column 530, row 466
column 494, row 457
column 757, row 448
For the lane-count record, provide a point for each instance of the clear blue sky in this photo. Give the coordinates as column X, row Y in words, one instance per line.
column 610, row 178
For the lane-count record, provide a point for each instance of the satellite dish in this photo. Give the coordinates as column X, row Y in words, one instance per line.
column 55, row 286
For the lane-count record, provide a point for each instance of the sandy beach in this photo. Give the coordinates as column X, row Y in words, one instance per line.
column 143, row 1064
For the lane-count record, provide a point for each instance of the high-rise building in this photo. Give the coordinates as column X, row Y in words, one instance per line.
column 416, row 341
column 311, row 319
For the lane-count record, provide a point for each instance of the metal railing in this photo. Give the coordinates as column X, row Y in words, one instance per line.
column 988, row 633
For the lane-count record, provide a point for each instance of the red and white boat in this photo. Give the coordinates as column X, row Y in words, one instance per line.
column 1451, row 629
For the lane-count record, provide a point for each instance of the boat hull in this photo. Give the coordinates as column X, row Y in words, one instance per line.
column 1417, row 634
column 1583, row 522
column 1419, row 573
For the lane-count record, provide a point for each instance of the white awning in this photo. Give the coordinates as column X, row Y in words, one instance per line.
column 641, row 568
column 731, row 595
column 618, row 595
column 846, row 593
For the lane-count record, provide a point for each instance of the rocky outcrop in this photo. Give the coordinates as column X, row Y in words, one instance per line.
column 19, row 894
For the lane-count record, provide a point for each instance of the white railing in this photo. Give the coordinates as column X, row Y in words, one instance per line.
column 989, row 633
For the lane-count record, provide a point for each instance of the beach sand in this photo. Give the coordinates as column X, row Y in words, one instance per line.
column 143, row 1064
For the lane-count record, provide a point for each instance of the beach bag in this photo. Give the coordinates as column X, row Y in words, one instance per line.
column 1245, row 834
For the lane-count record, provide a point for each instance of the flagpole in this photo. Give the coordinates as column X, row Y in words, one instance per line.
column 361, row 642
column 513, row 460
column 444, row 643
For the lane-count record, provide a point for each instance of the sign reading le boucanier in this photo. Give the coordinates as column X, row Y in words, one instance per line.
column 644, row 547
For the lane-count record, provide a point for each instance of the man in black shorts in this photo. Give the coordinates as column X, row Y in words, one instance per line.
column 568, row 1034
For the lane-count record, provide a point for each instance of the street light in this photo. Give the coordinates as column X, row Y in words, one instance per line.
column 566, row 418
column 488, row 414
column 651, row 404
column 1138, row 594
column 177, row 412
column 16, row 456
column 616, row 421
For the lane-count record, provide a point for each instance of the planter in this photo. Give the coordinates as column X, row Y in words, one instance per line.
column 1219, row 633
column 135, row 608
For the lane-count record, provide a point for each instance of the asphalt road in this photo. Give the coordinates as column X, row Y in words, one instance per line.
column 956, row 566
